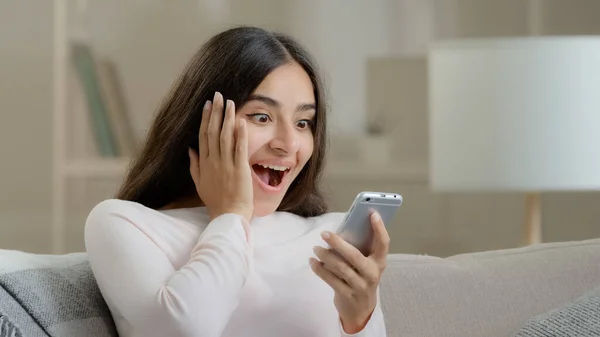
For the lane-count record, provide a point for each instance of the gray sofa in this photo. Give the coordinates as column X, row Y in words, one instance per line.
column 515, row 292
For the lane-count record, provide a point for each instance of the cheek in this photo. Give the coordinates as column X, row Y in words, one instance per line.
column 256, row 139
column 306, row 148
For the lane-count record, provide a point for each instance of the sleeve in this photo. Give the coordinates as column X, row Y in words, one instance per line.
column 142, row 286
column 374, row 328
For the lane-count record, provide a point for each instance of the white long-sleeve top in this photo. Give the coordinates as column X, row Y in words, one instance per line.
column 175, row 273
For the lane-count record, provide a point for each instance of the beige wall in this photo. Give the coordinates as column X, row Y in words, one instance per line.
column 151, row 41
column 25, row 101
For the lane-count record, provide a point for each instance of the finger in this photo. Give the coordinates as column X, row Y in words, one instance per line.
column 347, row 251
column 241, row 146
column 194, row 166
column 214, row 126
column 338, row 285
column 227, row 141
column 339, row 267
column 381, row 239
column 203, row 133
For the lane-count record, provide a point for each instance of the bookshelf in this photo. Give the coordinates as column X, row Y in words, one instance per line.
column 340, row 171
column 103, row 164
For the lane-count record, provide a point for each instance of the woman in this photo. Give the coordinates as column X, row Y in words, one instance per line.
column 213, row 230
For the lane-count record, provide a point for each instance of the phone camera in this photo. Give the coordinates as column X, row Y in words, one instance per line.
column 368, row 199
column 382, row 195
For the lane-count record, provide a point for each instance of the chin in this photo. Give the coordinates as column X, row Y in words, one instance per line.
column 266, row 201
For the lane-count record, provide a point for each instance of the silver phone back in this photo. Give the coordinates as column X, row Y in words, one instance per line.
column 356, row 228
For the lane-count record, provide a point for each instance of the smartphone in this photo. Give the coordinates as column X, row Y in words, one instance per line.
column 356, row 228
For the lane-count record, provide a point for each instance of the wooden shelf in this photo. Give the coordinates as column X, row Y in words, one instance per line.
column 411, row 172
column 96, row 167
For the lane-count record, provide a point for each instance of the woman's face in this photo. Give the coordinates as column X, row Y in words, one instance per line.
column 279, row 115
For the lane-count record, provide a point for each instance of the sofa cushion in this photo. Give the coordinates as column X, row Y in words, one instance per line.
column 8, row 328
column 485, row 294
column 578, row 318
column 18, row 316
column 58, row 292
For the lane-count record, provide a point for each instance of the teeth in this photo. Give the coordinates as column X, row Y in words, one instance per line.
column 274, row 167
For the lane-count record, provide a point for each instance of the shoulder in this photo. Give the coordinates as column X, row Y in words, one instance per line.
column 121, row 225
column 117, row 212
column 116, row 208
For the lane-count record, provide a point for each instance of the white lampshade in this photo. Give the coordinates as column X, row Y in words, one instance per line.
column 515, row 114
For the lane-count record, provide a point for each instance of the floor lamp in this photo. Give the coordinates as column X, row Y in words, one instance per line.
column 515, row 114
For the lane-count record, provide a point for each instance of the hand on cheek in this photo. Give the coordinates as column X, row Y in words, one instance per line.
column 220, row 170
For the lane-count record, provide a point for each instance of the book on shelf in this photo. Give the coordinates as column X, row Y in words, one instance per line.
column 105, row 101
column 112, row 91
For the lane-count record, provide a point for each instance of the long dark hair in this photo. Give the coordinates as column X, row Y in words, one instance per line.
column 233, row 62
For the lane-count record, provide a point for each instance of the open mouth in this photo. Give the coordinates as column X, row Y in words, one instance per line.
column 270, row 175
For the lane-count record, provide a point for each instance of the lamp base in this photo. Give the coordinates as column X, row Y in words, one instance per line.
column 533, row 218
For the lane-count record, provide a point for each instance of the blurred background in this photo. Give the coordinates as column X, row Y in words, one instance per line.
column 55, row 164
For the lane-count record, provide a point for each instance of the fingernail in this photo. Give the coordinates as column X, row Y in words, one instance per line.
column 312, row 261
column 376, row 216
column 325, row 235
column 217, row 95
column 206, row 105
column 316, row 249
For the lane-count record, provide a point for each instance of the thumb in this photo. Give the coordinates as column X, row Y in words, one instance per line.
column 241, row 148
column 194, row 166
column 381, row 238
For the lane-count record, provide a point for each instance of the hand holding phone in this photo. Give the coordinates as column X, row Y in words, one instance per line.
column 356, row 228
column 353, row 276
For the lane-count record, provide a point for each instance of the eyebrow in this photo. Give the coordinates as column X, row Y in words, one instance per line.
column 275, row 104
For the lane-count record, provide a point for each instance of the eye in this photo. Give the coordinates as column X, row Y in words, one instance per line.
column 260, row 118
column 304, row 123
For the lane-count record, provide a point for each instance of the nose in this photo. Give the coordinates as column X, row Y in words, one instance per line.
column 285, row 140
